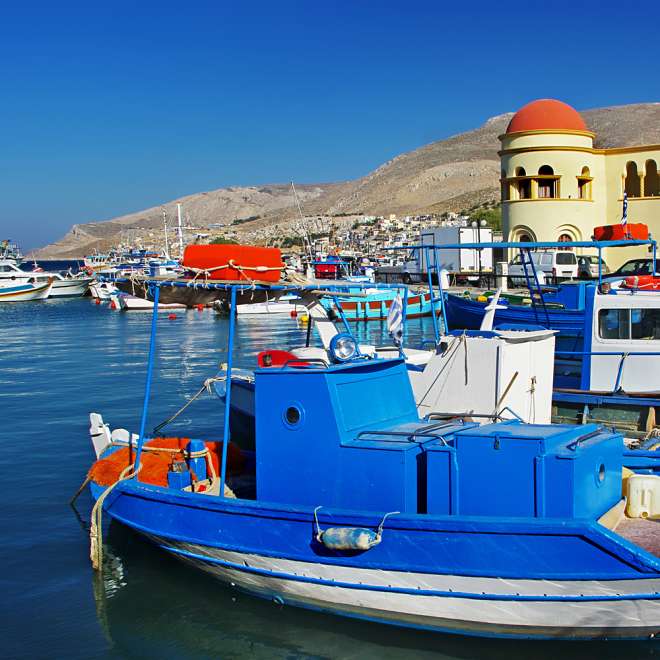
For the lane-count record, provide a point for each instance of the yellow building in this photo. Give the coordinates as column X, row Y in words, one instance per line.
column 556, row 186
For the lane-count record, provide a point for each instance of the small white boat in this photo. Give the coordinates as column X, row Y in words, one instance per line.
column 103, row 290
column 284, row 305
column 68, row 286
column 124, row 302
column 12, row 292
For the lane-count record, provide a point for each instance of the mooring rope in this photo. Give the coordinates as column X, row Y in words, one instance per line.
column 206, row 386
column 96, row 523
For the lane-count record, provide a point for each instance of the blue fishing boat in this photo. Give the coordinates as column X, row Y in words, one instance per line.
column 373, row 304
column 562, row 310
column 360, row 508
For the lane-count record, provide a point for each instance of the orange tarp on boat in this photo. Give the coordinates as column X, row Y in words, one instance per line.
column 155, row 464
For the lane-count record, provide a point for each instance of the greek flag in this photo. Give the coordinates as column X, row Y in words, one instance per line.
column 395, row 320
column 624, row 217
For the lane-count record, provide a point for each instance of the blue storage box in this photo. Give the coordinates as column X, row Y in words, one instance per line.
column 537, row 470
column 380, row 473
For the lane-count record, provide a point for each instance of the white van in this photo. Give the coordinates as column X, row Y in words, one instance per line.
column 550, row 266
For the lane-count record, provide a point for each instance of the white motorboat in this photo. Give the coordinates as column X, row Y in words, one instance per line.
column 103, row 290
column 68, row 286
column 124, row 302
column 24, row 291
column 283, row 305
column 63, row 285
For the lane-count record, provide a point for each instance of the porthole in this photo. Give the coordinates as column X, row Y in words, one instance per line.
column 292, row 415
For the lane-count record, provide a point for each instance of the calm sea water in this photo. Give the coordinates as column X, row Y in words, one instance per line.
column 60, row 360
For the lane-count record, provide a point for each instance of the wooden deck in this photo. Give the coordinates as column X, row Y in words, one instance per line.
column 641, row 531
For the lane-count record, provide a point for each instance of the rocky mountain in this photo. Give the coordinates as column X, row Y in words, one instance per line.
column 452, row 174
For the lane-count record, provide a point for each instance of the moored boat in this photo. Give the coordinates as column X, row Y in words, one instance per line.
column 125, row 303
column 365, row 510
column 25, row 291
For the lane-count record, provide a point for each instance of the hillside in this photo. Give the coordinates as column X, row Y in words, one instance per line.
column 451, row 174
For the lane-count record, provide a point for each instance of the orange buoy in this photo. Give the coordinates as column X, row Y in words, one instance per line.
column 172, row 317
column 199, row 307
column 97, row 301
column 294, row 314
column 112, row 305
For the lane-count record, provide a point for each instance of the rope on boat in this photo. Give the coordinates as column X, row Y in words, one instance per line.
column 96, row 526
column 451, row 351
column 80, row 490
column 96, row 523
column 205, row 272
column 206, row 386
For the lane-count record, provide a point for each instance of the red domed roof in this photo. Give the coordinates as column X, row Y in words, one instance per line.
column 544, row 115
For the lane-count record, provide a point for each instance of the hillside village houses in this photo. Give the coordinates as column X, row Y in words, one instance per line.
column 556, row 186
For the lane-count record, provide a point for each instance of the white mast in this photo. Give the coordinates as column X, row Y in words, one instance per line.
column 167, row 243
column 179, row 229
column 303, row 225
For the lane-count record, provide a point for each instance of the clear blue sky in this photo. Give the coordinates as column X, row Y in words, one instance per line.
column 108, row 108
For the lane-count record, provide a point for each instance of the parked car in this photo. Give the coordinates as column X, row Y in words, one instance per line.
column 643, row 266
column 550, row 266
column 588, row 267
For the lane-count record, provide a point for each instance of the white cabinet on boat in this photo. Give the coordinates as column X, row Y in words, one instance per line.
column 484, row 372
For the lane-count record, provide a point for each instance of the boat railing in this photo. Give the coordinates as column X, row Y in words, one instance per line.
column 433, row 267
column 624, row 355
column 429, row 432
column 497, row 415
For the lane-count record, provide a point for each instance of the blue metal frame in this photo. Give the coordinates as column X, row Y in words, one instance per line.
column 230, row 353
column 147, row 386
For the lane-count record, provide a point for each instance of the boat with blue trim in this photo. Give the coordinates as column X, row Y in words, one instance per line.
column 359, row 507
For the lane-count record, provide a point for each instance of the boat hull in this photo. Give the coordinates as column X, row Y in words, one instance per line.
column 189, row 293
column 70, row 288
column 464, row 313
column 410, row 600
column 377, row 306
column 25, row 292
column 570, row 579
column 127, row 303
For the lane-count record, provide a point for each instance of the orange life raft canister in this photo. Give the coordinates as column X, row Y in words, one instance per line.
column 644, row 282
column 241, row 263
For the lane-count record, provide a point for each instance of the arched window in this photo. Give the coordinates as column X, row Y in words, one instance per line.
column 525, row 238
column 565, row 238
column 584, row 184
column 523, row 184
column 547, row 183
column 651, row 180
column 632, row 183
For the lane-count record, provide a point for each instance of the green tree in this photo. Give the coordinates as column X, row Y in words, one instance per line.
column 492, row 216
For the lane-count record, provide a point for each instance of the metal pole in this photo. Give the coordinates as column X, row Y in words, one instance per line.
column 230, row 352
column 147, row 387
column 442, row 297
column 404, row 318
column 430, row 278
